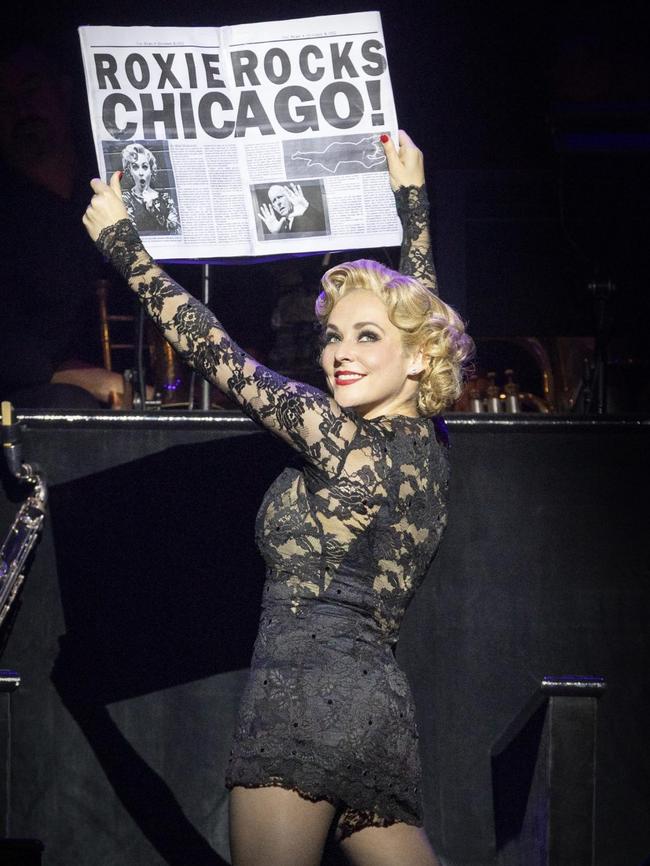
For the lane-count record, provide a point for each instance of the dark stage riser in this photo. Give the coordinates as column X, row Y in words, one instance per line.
column 140, row 610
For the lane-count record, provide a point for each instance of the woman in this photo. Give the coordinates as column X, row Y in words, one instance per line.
column 152, row 212
column 326, row 732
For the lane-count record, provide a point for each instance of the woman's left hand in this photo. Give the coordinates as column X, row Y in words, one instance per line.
column 406, row 163
column 106, row 206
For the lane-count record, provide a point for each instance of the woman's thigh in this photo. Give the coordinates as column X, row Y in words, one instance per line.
column 275, row 827
column 389, row 846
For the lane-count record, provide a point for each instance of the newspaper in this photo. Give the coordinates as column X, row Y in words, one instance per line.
column 257, row 139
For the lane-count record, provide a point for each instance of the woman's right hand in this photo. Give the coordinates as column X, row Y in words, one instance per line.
column 106, row 206
column 406, row 164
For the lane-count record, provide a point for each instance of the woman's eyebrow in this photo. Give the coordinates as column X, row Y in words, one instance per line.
column 363, row 325
column 357, row 326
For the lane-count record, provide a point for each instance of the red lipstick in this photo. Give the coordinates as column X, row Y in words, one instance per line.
column 340, row 377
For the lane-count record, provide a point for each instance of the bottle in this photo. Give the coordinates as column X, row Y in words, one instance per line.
column 512, row 393
column 475, row 402
column 493, row 400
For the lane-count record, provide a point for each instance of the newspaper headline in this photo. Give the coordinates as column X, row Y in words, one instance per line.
column 183, row 90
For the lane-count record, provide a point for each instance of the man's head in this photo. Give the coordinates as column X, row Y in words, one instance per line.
column 279, row 200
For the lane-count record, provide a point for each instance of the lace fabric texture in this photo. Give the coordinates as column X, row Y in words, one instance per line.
column 347, row 539
column 327, row 709
column 416, row 260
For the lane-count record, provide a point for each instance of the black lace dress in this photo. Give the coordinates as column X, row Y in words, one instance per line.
column 347, row 540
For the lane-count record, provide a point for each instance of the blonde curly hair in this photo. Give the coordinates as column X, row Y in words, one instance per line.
column 426, row 323
column 131, row 153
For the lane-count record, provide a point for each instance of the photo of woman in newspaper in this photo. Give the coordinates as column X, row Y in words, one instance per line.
column 152, row 211
column 291, row 209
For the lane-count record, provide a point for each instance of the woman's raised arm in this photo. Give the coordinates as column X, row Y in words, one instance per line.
column 303, row 416
column 406, row 168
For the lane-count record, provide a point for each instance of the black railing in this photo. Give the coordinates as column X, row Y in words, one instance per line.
column 544, row 777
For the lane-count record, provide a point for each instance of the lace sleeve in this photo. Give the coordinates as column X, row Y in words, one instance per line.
column 416, row 259
column 303, row 416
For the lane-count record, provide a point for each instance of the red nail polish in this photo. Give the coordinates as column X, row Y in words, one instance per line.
column 121, row 175
column 383, row 137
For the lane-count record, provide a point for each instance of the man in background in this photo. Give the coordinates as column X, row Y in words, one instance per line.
column 49, row 330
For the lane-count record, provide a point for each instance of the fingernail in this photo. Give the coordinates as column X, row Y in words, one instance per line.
column 383, row 137
column 121, row 175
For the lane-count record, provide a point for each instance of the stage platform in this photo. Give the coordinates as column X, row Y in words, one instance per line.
column 140, row 609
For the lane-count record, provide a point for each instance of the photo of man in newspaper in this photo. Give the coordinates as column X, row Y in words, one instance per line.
column 325, row 157
column 152, row 209
column 290, row 210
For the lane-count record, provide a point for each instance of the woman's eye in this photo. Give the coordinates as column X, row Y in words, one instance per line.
column 368, row 336
column 330, row 337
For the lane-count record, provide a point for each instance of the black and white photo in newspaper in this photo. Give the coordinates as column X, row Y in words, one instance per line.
column 148, row 185
column 254, row 139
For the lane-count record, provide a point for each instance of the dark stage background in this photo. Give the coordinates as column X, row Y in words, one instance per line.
column 533, row 120
column 139, row 614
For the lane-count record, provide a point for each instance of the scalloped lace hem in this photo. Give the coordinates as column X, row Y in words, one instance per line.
column 349, row 820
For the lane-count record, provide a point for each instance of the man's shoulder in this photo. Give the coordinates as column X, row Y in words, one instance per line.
column 311, row 219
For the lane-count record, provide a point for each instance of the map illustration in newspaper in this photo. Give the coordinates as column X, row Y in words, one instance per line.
column 342, row 155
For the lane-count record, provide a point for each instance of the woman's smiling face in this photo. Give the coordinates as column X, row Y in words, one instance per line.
column 366, row 365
